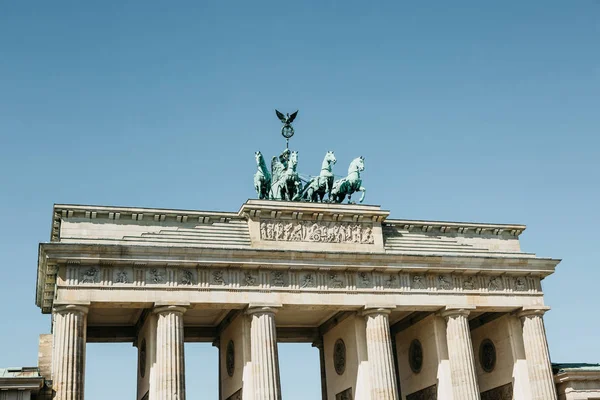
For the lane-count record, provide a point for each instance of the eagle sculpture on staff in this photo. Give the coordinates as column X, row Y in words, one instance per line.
column 287, row 131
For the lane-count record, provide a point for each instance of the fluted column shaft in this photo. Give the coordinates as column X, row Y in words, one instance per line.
column 263, row 350
column 381, row 358
column 460, row 354
column 170, row 360
column 537, row 354
column 68, row 360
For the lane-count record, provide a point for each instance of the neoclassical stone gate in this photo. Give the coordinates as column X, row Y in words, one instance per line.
column 397, row 309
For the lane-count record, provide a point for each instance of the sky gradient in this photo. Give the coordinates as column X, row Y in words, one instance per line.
column 464, row 111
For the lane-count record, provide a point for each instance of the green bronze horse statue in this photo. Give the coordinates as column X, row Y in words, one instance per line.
column 262, row 177
column 316, row 188
column 350, row 184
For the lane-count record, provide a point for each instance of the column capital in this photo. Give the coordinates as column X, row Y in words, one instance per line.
column 528, row 311
column 160, row 308
column 262, row 308
column 454, row 311
column 78, row 307
column 377, row 310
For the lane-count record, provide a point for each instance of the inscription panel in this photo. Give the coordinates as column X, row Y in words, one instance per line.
column 316, row 231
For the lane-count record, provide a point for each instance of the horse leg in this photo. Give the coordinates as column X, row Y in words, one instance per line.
column 364, row 191
column 309, row 193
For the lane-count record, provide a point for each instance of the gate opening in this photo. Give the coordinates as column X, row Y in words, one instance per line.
column 110, row 371
column 201, row 371
column 300, row 371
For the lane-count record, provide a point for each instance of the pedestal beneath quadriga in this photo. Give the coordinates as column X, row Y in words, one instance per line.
column 396, row 309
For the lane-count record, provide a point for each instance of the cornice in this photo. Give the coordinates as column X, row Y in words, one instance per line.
column 458, row 227
column 118, row 253
column 312, row 211
column 21, row 383
column 93, row 212
column 568, row 376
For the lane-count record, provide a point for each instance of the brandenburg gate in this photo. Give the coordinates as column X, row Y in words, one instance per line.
column 396, row 309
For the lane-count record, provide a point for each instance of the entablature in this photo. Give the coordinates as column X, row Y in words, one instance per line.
column 118, row 266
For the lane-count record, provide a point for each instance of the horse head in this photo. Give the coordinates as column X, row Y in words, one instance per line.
column 357, row 165
column 259, row 157
column 330, row 158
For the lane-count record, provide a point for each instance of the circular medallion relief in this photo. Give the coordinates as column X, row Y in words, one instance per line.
column 142, row 356
column 339, row 356
column 230, row 358
column 487, row 355
column 415, row 356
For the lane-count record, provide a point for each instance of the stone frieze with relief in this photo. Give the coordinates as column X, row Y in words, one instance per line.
column 316, row 231
column 282, row 279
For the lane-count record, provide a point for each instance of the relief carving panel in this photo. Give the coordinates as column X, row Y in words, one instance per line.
column 364, row 280
column 390, row 281
column 187, row 277
column 122, row 275
column 316, row 231
column 89, row 275
column 308, row 280
column 157, row 276
column 250, row 278
column 279, row 278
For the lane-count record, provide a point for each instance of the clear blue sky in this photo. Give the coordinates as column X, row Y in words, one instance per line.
column 464, row 111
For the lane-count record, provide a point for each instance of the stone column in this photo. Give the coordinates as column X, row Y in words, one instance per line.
column 68, row 364
column 319, row 345
column 170, row 360
column 537, row 355
column 460, row 354
column 263, row 351
column 381, row 359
